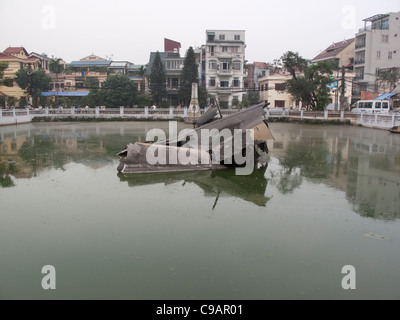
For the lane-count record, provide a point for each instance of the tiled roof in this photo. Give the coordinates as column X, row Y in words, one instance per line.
column 261, row 64
column 8, row 57
column 14, row 50
column 333, row 50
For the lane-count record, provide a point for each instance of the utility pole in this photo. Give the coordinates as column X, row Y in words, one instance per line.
column 343, row 90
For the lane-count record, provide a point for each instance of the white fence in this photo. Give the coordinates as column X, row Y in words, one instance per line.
column 16, row 116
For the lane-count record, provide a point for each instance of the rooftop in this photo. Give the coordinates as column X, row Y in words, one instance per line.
column 376, row 17
column 333, row 50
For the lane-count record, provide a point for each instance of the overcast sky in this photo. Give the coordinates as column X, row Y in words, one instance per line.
column 131, row 29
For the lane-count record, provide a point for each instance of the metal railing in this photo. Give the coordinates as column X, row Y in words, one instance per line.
column 15, row 116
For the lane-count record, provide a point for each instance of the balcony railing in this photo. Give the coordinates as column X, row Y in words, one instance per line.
column 360, row 45
column 225, row 72
column 360, row 61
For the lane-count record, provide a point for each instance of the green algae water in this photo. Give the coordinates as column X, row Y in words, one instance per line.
column 324, row 198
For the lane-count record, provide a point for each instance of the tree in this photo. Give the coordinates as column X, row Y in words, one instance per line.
column 91, row 83
column 7, row 81
column 157, row 85
column 390, row 78
column 117, row 91
column 203, row 97
column 33, row 82
column 309, row 82
column 55, row 66
column 190, row 74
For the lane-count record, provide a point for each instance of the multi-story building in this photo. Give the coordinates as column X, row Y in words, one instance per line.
column 224, row 65
column 173, row 64
column 255, row 71
column 272, row 91
column 339, row 53
column 377, row 49
column 341, row 56
column 16, row 58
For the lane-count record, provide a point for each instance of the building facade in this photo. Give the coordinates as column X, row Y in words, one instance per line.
column 339, row 53
column 272, row 91
column 377, row 49
column 224, row 65
column 16, row 58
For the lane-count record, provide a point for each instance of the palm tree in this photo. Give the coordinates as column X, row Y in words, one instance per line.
column 56, row 67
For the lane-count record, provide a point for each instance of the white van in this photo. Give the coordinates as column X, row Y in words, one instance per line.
column 372, row 106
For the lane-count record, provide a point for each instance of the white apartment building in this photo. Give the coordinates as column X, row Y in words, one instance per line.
column 224, row 65
column 377, row 48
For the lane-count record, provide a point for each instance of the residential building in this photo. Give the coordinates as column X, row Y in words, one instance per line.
column 135, row 73
column 16, row 58
column 79, row 72
column 173, row 64
column 339, row 53
column 272, row 91
column 255, row 71
column 224, row 65
column 377, row 49
column 43, row 59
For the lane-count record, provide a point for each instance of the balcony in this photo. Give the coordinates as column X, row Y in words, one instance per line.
column 359, row 61
column 225, row 72
column 368, row 28
column 360, row 45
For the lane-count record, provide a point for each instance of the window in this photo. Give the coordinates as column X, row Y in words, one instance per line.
column 368, row 105
column 174, row 64
column 236, row 65
column 378, row 54
column 224, row 84
column 279, row 103
column 385, row 38
column 211, row 37
column 377, row 105
column 385, row 105
column 212, row 82
column 236, row 82
column 175, row 83
column 225, row 66
column 221, row 37
column 237, row 37
column 224, row 49
column 262, row 87
column 390, row 54
column 279, row 87
column 212, row 65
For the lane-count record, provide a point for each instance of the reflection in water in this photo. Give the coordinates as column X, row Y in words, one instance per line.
column 215, row 184
column 364, row 163
column 323, row 199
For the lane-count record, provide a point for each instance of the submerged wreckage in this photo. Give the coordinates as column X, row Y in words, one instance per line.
column 213, row 144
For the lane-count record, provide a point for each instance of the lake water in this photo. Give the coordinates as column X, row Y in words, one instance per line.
column 326, row 197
